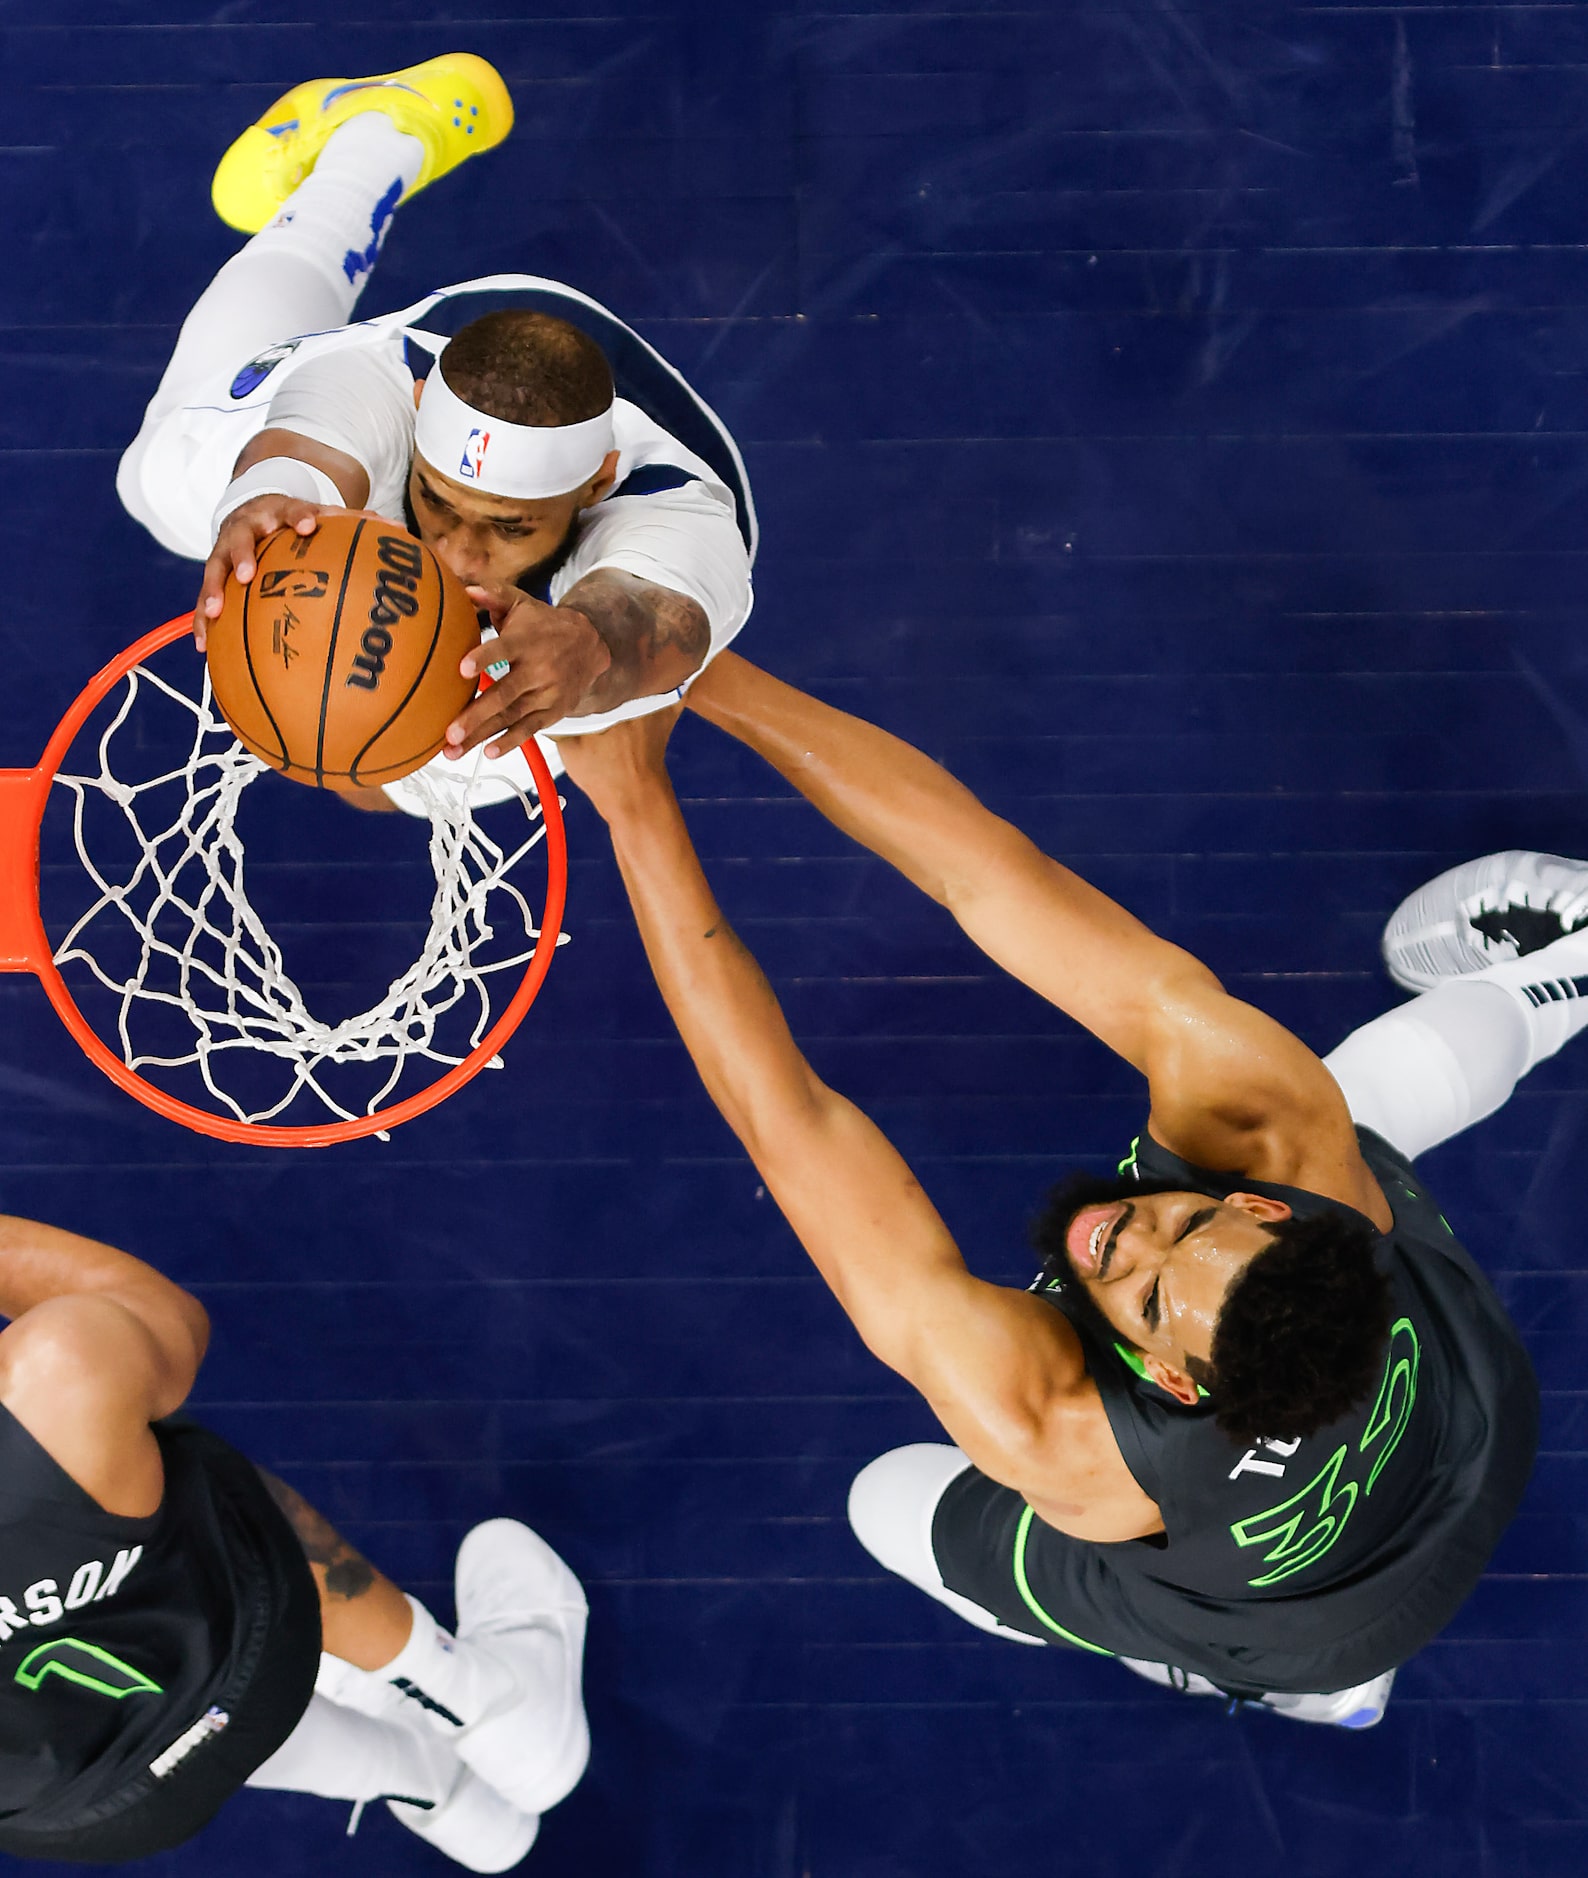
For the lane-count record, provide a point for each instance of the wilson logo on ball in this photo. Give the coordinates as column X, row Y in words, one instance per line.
column 401, row 562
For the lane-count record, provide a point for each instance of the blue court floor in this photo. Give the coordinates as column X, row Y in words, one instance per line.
column 1170, row 416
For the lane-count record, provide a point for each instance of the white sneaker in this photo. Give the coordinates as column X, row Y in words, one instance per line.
column 1499, row 907
column 518, row 1601
column 1361, row 1707
column 473, row 1825
column 1183, row 1681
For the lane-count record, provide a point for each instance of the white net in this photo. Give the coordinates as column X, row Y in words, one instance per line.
column 169, row 932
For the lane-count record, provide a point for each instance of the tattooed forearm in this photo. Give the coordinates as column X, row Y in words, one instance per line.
column 657, row 638
column 347, row 1573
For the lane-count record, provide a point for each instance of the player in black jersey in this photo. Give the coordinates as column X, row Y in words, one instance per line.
column 1259, row 1424
column 175, row 1624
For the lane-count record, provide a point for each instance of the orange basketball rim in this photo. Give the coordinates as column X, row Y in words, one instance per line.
column 25, row 946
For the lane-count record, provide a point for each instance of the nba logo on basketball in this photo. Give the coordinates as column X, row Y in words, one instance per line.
column 473, row 464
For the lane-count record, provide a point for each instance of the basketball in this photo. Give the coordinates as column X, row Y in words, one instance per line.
column 338, row 662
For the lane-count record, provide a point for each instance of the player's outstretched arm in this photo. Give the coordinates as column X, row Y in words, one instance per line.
column 1003, row 1371
column 1230, row 1088
column 99, row 1345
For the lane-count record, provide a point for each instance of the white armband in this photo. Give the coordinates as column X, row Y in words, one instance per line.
column 277, row 476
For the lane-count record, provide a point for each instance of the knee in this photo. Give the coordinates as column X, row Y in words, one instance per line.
column 892, row 1500
column 129, row 478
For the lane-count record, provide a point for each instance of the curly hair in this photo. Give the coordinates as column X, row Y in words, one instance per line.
column 528, row 368
column 1301, row 1335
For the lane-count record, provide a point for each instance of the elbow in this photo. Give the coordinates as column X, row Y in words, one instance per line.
column 198, row 1325
column 778, row 1122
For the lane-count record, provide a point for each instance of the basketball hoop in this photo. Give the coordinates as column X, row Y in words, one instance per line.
column 179, row 907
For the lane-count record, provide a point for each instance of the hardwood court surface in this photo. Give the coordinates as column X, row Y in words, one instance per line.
column 1173, row 418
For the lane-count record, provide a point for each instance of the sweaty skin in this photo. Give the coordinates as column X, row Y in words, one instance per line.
column 1229, row 1088
column 1002, row 1370
column 1162, row 1265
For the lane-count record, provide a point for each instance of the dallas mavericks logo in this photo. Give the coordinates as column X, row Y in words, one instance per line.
column 472, row 464
column 256, row 371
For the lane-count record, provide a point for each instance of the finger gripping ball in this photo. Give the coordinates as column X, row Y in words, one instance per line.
column 338, row 662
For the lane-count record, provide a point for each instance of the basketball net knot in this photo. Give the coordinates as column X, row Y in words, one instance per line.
column 171, row 934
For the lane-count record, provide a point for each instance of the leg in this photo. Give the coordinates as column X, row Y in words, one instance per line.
column 341, row 1755
column 364, row 1618
column 891, row 1506
column 503, row 1694
column 305, row 271
column 291, row 279
column 1422, row 1073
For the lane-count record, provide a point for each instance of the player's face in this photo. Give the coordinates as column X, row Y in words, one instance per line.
column 487, row 538
column 1157, row 1265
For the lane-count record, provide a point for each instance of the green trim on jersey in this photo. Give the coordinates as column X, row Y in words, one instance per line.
column 1022, row 1585
column 1308, row 1525
column 87, row 1665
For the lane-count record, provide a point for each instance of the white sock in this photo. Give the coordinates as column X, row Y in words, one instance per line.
column 366, row 1690
column 338, row 216
column 1430, row 1068
column 1549, row 989
column 341, row 1755
column 1427, row 1070
column 451, row 1681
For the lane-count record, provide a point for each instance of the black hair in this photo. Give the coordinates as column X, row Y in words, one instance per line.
column 1300, row 1337
column 528, row 368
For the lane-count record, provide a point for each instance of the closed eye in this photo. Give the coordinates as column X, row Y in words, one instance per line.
column 1194, row 1222
column 1150, row 1309
column 431, row 500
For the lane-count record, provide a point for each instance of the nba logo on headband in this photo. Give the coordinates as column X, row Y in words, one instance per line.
column 528, row 462
column 472, row 463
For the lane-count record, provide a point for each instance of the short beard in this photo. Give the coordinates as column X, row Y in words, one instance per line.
column 1051, row 1227
column 541, row 571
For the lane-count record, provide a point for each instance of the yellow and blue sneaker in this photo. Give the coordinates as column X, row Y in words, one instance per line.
column 455, row 105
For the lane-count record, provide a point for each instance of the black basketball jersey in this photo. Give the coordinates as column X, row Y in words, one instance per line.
column 119, row 1637
column 1308, row 1564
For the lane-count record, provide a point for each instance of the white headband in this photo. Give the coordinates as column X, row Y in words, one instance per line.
column 502, row 459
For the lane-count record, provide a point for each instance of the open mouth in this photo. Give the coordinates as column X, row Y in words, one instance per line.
column 1089, row 1236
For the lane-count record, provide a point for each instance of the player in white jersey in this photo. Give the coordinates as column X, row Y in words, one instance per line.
column 596, row 505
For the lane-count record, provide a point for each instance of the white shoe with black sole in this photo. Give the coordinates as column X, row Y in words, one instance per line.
column 1485, row 912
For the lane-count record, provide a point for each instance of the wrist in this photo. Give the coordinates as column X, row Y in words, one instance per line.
column 636, row 806
column 596, row 648
column 276, row 476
